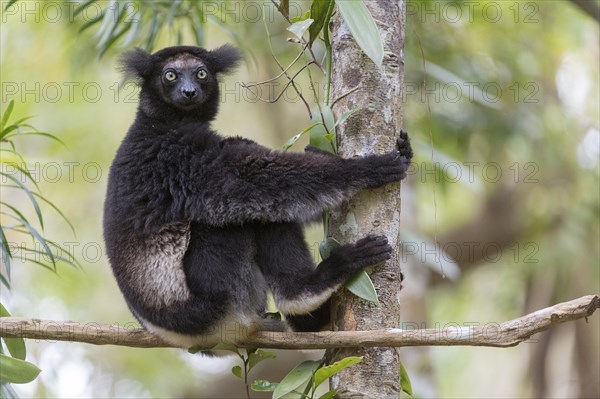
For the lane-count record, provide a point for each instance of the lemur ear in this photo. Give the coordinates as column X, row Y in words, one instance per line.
column 224, row 59
column 136, row 64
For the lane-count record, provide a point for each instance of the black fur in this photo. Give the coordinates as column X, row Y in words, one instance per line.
column 199, row 227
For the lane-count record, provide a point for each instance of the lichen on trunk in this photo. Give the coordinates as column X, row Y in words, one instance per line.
column 377, row 92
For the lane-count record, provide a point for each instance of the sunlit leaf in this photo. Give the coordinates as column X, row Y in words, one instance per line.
column 300, row 27
column 362, row 286
column 363, row 28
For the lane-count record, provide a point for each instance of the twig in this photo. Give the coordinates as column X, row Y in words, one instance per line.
column 505, row 334
column 288, row 84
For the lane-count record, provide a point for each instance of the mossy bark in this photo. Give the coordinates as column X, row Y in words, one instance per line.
column 374, row 129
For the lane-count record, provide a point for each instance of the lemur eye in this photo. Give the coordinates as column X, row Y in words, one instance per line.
column 202, row 74
column 170, row 76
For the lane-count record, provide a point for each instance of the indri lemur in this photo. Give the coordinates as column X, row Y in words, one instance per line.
column 199, row 227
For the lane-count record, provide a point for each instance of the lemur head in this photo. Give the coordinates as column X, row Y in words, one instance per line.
column 180, row 81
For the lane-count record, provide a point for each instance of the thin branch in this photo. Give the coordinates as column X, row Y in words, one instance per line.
column 508, row 333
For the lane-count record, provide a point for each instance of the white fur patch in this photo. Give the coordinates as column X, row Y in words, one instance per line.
column 231, row 329
column 304, row 304
column 161, row 266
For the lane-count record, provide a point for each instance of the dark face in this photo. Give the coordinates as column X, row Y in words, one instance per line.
column 186, row 82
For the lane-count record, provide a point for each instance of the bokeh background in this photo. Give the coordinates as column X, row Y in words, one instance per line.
column 502, row 102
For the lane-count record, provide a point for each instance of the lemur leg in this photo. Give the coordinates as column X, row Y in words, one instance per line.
column 298, row 287
column 220, row 269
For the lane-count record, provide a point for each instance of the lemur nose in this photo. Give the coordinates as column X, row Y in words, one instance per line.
column 189, row 93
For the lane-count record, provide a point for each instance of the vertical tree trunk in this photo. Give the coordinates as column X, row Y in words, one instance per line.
column 372, row 130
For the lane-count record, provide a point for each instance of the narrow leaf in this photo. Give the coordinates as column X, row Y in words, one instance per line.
column 296, row 137
column 17, row 371
column 22, row 186
column 329, row 395
column 345, row 116
column 6, row 256
column 6, row 114
column 405, row 384
column 318, row 12
column 298, row 376
column 363, row 28
column 318, row 133
column 361, row 285
column 284, row 8
column 326, row 372
column 7, row 392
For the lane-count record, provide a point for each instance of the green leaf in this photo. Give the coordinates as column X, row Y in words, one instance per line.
column 17, row 371
column 22, row 186
column 300, row 27
column 405, row 384
column 258, row 356
column 298, row 376
column 361, row 285
column 318, row 12
column 363, row 28
column 263, row 386
column 57, row 211
column 6, row 114
column 327, row 245
column 36, row 235
column 326, row 372
column 329, row 395
column 237, row 371
column 6, row 257
column 301, row 18
column 296, row 137
column 319, row 135
column 10, row 3
column 345, row 116
column 16, row 346
column 284, row 8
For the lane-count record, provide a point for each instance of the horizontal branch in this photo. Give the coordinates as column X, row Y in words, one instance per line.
column 509, row 333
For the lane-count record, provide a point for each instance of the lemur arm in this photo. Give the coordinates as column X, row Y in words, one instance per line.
column 241, row 181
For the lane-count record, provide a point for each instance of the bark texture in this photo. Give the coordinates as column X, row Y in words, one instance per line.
column 374, row 129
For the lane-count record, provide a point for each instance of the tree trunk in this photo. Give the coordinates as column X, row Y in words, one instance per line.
column 373, row 129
